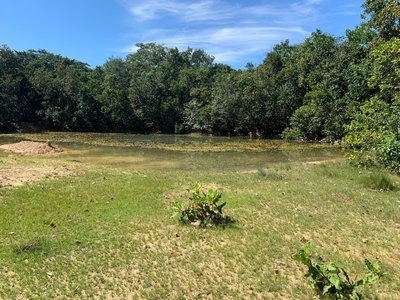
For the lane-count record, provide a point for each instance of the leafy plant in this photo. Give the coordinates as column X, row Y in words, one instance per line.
column 333, row 281
column 203, row 209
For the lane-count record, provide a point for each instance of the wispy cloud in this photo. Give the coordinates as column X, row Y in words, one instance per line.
column 226, row 30
column 197, row 11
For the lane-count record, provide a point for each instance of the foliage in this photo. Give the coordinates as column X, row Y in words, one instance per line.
column 331, row 280
column 385, row 74
column 226, row 106
column 203, row 208
column 373, row 137
column 364, row 133
column 383, row 16
column 333, row 75
column 161, row 89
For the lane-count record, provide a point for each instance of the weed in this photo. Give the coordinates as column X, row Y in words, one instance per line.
column 203, row 210
column 270, row 174
column 262, row 173
column 378, row 181
column 32, row 245
column 333, row 281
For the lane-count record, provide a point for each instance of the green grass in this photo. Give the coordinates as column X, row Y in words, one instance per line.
column 105, row 233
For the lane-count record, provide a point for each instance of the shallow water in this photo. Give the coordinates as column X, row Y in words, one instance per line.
column 159, row 158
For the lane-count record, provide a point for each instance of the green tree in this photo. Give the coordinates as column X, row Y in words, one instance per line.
column 278, row 77
column 114, row 97
column 226, row 109
column 386, row 72
column 373, row 137
column 314, row 63
column 59, row 88
column 167, row 86
column 149, row 91
column 10, row 83
column 335, row 87
column 383, row 16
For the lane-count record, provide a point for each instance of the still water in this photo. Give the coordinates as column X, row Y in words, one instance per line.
column 173, row 152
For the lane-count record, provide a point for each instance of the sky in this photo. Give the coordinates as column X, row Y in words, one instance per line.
column 234, row 32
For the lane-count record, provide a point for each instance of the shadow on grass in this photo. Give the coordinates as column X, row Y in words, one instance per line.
column 223, row 223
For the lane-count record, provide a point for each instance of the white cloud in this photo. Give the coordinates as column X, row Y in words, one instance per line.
column 223, row 29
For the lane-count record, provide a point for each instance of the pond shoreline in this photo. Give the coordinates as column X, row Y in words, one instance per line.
column 186, row 153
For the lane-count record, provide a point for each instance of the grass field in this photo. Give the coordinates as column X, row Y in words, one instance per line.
column 105, row 233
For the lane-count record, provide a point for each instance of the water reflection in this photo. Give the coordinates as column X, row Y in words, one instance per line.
column 143, row 158
column 171, row 139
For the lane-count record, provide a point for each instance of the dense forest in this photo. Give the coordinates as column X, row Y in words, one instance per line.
column 334, row 88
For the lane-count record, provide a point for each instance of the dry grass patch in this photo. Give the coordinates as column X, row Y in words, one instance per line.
column 17, row 176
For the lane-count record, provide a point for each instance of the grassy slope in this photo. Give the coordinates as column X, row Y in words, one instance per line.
column 106, row 234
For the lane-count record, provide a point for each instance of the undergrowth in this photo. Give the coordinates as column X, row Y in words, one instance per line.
column 378, row 180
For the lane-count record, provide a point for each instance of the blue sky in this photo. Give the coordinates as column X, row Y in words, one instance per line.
column 234, row 32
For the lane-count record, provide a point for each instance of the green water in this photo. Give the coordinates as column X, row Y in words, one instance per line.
column 158, row 155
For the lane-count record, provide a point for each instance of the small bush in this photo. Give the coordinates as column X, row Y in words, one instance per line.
column 203, row 209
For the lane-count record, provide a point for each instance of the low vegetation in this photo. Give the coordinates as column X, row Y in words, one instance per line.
column 203, row 209
column 106, row 233
column 332, row 281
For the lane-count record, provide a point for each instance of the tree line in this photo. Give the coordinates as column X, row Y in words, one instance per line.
column 311, row 88
column 336, row 88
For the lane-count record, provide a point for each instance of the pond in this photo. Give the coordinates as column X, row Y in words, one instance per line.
column 181, row 152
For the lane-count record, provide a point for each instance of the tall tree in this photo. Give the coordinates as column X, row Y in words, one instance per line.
column 226, row 105
column 373, row 137
column 114, row 100
column 10, row 85
column 383, row 16
column 334, row 83
column 165, row 83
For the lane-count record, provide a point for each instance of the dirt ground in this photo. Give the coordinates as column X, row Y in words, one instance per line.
column 31, row 148
column 16, row 176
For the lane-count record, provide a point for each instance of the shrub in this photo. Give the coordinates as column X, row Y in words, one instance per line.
column 203, row 209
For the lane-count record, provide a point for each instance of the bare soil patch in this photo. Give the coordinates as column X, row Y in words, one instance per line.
column 16, row 176
column 32, row 148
